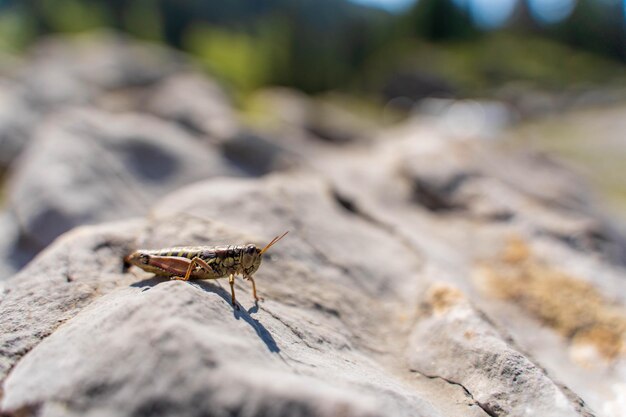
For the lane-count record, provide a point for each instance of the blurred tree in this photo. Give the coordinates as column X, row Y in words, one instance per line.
column 522, row 19
column 441, row 20
column 598, row 26
column 313, row 45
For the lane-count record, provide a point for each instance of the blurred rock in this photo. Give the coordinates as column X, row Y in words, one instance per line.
column 62, row 70
column 256, row 154
column 15, row 251
column 16, row 121
column 86, row 166
column 105, row 69
column 322, row 119
column 196, row 103
column 483, row 182
column 415, row 85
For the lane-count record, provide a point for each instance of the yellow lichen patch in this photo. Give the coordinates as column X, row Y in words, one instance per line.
column 566, row 303
column 516, row 250
column 442, row 296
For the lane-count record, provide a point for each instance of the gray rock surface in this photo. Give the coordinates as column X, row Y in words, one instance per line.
column 196, row 103
column 79, row 70
column 303, row 351
column 104, row 125
column 86, row 166
column 503, row 380
column 98, row 68
column 422, row 276
column 333, row 329
column 16, row 120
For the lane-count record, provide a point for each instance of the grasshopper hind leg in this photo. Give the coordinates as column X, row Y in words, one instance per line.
column 192, row 266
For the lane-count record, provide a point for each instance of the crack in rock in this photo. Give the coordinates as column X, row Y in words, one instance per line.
column 482, row 406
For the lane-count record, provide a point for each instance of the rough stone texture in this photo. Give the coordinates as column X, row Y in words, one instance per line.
column 213, row 360
column 37, row 302
column 422, row 276
column 503, row 380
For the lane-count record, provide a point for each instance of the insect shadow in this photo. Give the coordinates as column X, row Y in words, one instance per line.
column 261, row 331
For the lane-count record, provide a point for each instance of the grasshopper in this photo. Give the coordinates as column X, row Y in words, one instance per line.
column 203, row 262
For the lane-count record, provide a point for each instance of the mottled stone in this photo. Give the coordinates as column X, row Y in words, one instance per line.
column 86, row 166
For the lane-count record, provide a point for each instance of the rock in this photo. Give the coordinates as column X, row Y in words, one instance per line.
column 86, row 166
column 416, row 85
column 485, row 183
column 61, row 70
column 56, row 297
column 196, row 103
column 16, row 120
column 104, row 69
column 306, row 350
column 345, row 296
column 256, row 154
column 15, row 252
column 322, row 119
column 490, row 207
column 499, row 378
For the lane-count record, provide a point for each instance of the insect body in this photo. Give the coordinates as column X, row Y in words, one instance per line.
column 203, row 262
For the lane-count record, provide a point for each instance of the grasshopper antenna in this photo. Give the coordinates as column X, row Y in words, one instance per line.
column 276, row 239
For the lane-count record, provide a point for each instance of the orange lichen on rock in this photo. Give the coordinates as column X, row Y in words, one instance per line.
column 568, row 304
column 441, row 297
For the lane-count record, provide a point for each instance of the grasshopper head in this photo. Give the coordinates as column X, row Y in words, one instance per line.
column 251, row 259
column 252, row 256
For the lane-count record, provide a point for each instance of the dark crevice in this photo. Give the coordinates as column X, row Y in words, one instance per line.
column 293, row 330
column 253, row 154
column 24, row 411
column 352, row 207
column 439, row 196
column 345, row 202
column 488, row 409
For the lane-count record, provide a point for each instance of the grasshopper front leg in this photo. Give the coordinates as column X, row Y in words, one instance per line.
column 256, row 297
column 231, row 281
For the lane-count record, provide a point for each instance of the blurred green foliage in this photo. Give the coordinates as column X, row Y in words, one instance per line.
column 73, row 15
column 475, row 67
column 319, row 45
column 16, row 30
column 245, row 60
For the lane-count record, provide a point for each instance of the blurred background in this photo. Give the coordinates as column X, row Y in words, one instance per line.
column 450, row 48
column 547, row 73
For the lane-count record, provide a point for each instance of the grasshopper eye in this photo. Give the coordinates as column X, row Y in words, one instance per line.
column 251, row 250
